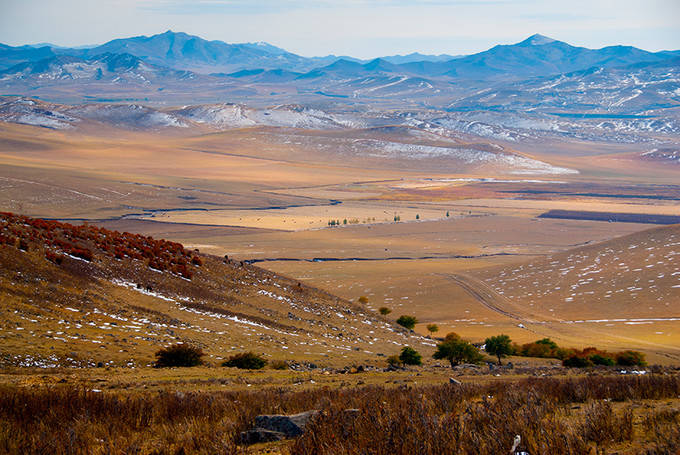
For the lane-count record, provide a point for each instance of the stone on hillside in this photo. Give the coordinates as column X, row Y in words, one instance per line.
column 290, row 425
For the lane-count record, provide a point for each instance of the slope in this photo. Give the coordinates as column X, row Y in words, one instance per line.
column 86, row 296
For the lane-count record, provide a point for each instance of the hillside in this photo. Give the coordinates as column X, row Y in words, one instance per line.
column 633, row 279
column 86, row 296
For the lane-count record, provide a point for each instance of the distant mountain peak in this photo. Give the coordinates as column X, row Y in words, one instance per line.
column 538, row 40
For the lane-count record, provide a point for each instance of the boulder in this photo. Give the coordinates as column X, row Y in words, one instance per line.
column 454, row 381
column 289, row 425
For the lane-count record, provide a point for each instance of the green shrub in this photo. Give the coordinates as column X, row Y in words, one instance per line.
column 246, row 361
column 408, row 322
column 384, row 310
column 599, row 359
column 179, row 355
column 410, row 356
column 630, row 359
column 575, row 361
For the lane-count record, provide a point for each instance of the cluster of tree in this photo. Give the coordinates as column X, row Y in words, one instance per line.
column 571, row 357
column 397, row 218
column 57, row 238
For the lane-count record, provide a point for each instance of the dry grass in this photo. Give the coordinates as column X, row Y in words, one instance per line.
column 553, row 416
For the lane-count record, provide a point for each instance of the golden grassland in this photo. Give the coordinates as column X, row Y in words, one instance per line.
column 252, row 195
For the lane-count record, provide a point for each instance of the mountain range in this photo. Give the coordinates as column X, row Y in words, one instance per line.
column 536, row 56
column 500, row 86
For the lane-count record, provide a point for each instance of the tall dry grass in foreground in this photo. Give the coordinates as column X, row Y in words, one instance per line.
column 554, row 416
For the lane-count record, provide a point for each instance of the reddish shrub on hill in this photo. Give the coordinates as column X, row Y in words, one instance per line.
column 86, row 241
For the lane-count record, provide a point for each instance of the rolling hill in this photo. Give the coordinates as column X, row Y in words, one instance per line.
column 87, row 296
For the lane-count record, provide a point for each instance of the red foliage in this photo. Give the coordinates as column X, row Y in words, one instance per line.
column 86, row 241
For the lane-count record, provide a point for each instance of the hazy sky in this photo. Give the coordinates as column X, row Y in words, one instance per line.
column 361, row 28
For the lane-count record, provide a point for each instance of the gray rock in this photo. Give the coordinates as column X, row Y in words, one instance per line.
column 454, row 381
column 289, row 425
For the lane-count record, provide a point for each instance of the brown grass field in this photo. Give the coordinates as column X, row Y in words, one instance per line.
column 468, row 253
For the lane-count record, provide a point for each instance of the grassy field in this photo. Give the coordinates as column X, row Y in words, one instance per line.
column 267, row 193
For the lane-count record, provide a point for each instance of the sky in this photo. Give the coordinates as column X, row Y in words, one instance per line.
column 359, row 28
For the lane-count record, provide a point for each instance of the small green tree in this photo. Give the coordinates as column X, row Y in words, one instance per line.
column 344, row 221
column 447, row 214
column 500, row 346
column 417, row 216
column 432, row 328
column 410, row 356
column 246, row 361
column 408, row 322
column 384, row 310
column 179, row 355
column 457, row 351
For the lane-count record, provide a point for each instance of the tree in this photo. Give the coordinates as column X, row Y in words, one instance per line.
column 457, row 351
column 630, row 358
column 417, row 216
column 408, row 322
column 179, row 355
column 246, row 361
column 344, row 221
column 410, row 356
column 384, row 310
column 432, row 328
column 499, row 346
column 447, row 214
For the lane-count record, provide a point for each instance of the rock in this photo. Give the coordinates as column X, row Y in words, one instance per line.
column 260, row 435
column 289, row 425
column 454, row 381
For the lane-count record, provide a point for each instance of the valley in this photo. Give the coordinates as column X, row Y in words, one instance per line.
column 194, row 234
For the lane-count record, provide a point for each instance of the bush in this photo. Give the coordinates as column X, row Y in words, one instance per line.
column 408, row 322
column 363, row 300
column 179, row 355
column 278, row 365
column 630, row 359
column 576, row 361
column 393, row 360
column 384, row 310
column 432, row 328
column 599, row 359
column 410, row 356
column 245, row 361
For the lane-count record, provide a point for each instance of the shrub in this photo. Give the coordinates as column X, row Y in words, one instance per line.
column 457, row 351
column 432, row 328
column 363, row 299
column 393, row 360
column 245, row 361
column 278, row 365
column 408, row 322
column 384, row 310
column 498, row 346
column 630, row 358
column 576, row 361
column 179, row 355
column 410, row 356
column 599, row 359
